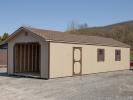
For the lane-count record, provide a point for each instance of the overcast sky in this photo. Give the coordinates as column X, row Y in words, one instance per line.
column 57, row 14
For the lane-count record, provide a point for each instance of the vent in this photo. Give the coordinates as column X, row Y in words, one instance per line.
column 26, row 33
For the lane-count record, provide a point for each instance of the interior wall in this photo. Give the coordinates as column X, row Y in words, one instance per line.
column 27, row 57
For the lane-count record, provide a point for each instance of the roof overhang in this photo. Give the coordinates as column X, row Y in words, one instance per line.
column 14, row 34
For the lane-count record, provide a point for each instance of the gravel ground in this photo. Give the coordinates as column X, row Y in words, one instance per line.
column 103, row 86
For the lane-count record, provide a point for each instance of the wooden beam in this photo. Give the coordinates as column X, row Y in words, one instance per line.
column 32, row 62
column 36, row 58
column 30, row 67
column 17, row 58
column 39, row 58
column 24, row 57
column 15, row 51
column 28, row 52
column 20, row 58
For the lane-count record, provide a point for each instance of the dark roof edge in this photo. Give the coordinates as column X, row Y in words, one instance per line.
column 127, row 46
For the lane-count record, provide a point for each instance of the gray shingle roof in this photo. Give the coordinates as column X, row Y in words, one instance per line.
column 56, row 36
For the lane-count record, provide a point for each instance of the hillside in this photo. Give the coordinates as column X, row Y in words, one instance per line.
column 121, row 31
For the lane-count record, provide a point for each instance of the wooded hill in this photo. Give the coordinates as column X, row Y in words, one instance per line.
column 121, row 31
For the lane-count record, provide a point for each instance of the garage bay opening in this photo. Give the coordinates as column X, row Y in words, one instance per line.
column 27, row 59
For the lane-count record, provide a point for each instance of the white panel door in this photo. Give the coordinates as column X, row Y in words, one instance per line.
column 77, row 60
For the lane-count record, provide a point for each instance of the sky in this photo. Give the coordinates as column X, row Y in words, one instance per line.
column 58, row 14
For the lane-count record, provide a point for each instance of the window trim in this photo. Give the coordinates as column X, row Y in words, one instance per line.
column 98, row 58
column 119, row 56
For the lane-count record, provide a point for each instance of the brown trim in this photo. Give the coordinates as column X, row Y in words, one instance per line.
column 35, row 59
column 86, row 44
column 99, row 59
column 39, row 61
column 116, row 58
column 80, row 61
column 24, row 57
column 7, row 59
column 20, row 58
column 14, row 58
column 25, row 30
column 48, row 60
column 32, row 56
column 28, row 60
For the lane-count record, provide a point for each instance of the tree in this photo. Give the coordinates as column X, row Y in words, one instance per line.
column 73, row 26
column 5, row 36
column 0, row 39
column 83, row 26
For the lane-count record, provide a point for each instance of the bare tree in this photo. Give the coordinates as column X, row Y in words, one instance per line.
column 83, row 26
column 72, row 26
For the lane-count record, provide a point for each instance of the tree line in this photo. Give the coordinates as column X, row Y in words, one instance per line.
column 4, row 37
column 122, row 32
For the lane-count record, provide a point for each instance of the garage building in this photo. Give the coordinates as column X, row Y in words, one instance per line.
column 51, row 54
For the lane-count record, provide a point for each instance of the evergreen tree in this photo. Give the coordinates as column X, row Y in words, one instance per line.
column 0, row 39
column 5, row 36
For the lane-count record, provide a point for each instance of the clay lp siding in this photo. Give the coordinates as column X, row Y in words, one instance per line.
column 22, row 38
column 61, row 59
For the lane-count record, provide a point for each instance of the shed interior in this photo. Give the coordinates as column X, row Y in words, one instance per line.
column 27, row 59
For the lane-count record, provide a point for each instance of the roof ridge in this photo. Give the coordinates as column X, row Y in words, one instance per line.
column 63, row 32
column 40, row 29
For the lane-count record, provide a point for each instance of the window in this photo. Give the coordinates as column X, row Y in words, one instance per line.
column 100, row 54
column 117, row 55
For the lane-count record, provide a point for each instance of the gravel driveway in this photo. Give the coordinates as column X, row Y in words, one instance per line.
column 103, row 86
